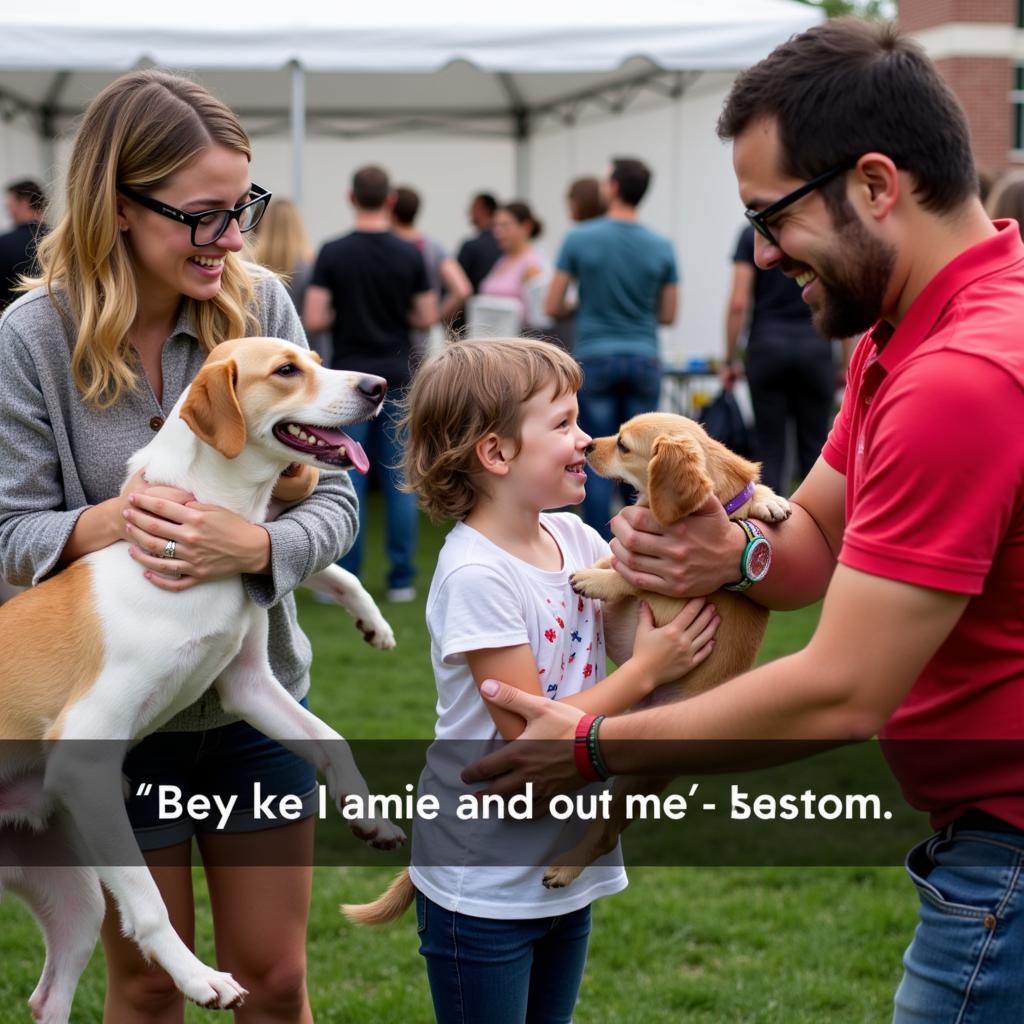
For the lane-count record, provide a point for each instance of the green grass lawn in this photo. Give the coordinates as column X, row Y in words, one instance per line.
column 749, row 944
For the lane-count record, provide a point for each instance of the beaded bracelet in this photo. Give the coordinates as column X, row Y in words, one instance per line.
column 597, row 762
column 581, row 749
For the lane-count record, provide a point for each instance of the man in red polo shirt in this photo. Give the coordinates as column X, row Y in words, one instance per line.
column 854, row 162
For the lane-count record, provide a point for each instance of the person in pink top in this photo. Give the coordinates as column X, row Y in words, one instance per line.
column 522, row 272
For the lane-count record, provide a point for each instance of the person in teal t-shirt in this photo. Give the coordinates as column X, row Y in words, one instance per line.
column 627, row 282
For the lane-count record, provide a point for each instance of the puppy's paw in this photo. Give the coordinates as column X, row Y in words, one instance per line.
column 768, row 506
column 558, row 877
column 602, row 584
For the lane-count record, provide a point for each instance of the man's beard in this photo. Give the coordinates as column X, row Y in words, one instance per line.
column 853, row 285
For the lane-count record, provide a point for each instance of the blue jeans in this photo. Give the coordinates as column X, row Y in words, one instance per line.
column 484, row 971
column 965, row 961
column 378, row 437
column 615, row 388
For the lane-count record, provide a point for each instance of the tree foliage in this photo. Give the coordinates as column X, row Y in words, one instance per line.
column 862, row 8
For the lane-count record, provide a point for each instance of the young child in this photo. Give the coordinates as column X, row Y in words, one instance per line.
column 493, row 442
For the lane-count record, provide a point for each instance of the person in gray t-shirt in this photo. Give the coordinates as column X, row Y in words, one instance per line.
column 142, row 279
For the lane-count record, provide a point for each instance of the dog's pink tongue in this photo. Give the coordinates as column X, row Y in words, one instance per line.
column 339, row 439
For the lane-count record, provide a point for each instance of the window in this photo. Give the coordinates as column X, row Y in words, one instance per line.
column 1017, row 105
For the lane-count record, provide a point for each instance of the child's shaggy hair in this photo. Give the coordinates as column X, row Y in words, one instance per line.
column 471, row 389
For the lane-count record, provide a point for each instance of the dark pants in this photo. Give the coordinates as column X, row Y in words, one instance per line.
column 615, row 389
column 792, row 378
column 486, row 971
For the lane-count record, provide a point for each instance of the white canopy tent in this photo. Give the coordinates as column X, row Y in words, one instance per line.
column 515, row 97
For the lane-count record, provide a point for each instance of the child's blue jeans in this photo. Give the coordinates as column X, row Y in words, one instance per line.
column 966, row 961
column 486, row 971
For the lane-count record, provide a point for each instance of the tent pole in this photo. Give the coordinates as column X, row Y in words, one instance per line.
column 298, row 115
column 522, row 179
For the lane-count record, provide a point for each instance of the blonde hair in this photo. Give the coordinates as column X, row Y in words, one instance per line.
column 139, row 131
column 281, row 242
column 471, row 389
column 1007, row 198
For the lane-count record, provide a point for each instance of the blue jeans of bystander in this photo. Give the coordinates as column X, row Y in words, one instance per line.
column 615, row 388
column 379, row 439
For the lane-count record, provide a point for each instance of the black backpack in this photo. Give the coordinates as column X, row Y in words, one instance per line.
column 723, row 420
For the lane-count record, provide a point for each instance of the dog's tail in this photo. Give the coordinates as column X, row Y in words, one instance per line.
column 387, row 907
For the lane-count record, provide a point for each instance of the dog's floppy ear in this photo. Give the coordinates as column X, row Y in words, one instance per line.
column 677, row 481
column 212, row 409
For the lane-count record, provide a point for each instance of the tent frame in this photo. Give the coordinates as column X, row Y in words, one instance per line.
column 516, row 120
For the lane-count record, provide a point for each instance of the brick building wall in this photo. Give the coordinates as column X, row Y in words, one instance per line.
column 981, row 73
column 915, row 15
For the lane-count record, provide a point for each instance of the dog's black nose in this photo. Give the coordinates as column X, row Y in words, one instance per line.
column 374, row 388
column 589, row 449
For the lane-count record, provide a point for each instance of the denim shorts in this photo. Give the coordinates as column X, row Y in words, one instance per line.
column 224, row 761
column 966, row 961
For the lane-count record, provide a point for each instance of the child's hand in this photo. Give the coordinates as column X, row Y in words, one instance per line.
column 669, row 652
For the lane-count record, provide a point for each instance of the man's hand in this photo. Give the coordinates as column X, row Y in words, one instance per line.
column 691, row 558
column 550, row 766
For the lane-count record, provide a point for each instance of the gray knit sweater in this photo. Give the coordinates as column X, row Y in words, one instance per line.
column 58, row 456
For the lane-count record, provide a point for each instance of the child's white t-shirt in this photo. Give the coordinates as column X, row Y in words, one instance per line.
column 482, row 597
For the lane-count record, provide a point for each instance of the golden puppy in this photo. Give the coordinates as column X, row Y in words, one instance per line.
column 674, row 466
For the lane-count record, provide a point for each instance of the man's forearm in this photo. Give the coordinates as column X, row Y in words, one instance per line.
column 788, row 699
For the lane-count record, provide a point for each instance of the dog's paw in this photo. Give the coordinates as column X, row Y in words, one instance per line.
column 561, row 876
column 769, row 508
column 591, row 582
column 377, row 633
column 215, row 990
column 380, row 833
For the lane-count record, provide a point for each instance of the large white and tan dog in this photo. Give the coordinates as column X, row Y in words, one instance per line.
column 99, row 653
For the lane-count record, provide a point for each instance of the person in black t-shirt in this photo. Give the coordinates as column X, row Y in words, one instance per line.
column 789, row 365
column 370, row 289
column 479, row 253
column 25, row 204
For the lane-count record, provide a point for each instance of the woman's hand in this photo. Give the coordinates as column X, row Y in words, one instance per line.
column 668, row 652
column 209, row 541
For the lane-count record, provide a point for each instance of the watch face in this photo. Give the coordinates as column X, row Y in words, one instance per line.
column 759, row 558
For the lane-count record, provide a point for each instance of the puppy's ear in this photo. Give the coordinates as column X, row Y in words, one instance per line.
column 677, row 480
column 212, row 410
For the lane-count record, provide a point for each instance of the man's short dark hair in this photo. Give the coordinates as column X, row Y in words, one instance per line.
column 30, row 190
column 849, row 87
column 407, row 205
column 370, row 187
column 633, row 178
column 487, row 201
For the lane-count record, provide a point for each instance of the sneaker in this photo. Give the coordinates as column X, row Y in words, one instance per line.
column 401, row 595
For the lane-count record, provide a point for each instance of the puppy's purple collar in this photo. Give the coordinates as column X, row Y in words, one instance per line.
column 741, row 499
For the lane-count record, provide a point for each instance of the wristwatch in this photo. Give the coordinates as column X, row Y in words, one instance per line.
column 756, row 559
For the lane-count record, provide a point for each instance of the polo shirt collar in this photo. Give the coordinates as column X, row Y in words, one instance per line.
column 989, row 256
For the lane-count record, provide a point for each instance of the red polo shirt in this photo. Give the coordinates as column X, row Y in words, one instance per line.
column 931, row 441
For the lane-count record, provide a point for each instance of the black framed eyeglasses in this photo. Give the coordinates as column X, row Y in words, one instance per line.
column 759, row 218
column 208, row 225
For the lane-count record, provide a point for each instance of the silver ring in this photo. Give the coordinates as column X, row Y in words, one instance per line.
column 169, row 549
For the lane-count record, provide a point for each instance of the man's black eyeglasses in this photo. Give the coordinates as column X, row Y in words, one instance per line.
column 759, row 218
column 207, row 225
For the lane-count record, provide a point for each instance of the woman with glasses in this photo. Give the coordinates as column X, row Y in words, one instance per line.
column 140, row 279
